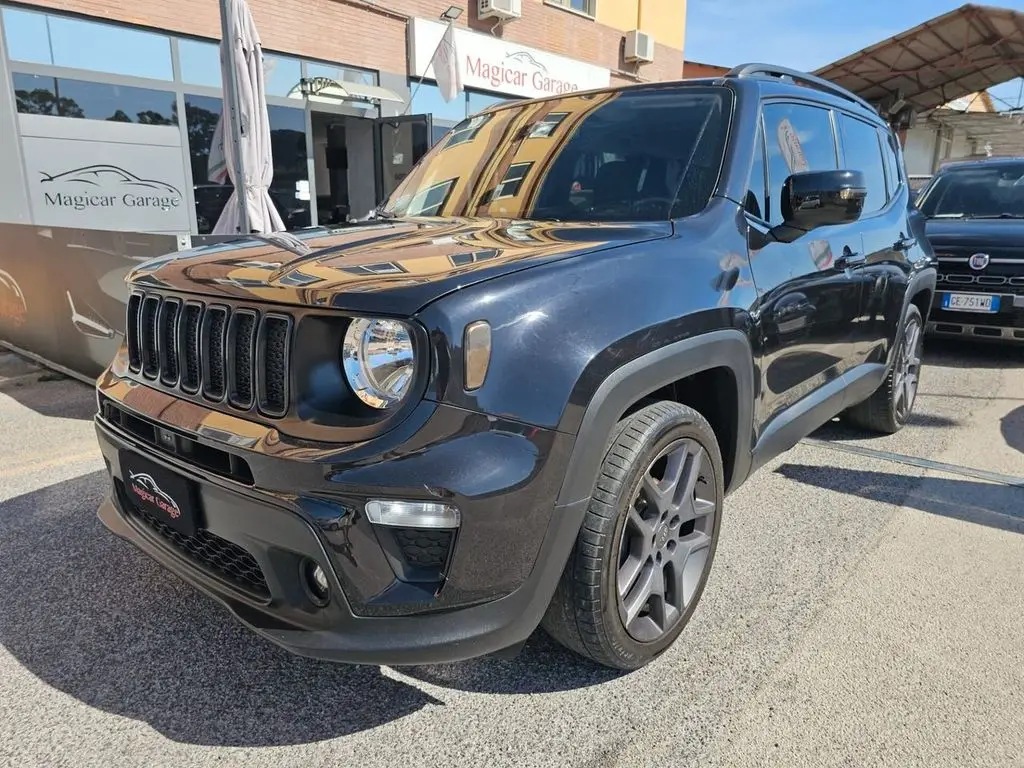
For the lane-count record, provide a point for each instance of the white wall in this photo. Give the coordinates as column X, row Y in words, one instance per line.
column 919, row 150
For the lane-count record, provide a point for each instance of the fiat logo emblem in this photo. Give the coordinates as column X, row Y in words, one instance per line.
column 978, row 260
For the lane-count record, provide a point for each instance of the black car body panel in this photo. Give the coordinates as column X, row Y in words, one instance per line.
column 231, row 380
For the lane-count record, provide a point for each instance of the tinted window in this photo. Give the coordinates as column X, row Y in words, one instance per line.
column 288, row 143
column 79, row 44
column 755, row 202
column 863, row 153
column 65, row 97
column 893, row 176
column 799, row 138
column 647, row 154
column 993, row 190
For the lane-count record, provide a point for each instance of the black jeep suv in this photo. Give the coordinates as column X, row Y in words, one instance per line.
column 518, row 394
column 975, row 224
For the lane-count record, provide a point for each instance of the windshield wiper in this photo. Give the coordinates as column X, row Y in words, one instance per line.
column 998, row 216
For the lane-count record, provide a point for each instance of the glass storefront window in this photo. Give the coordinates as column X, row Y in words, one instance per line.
column 341, row 74
column 200, row 65
column 199, row 62
column 288, row 142
column 74, row 43
column 64, row 97
column 27, row 36
column 481, row 101
column 445, row 115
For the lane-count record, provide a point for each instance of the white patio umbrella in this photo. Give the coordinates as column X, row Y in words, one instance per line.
column 247, row 130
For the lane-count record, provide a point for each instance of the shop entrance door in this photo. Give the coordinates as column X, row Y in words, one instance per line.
column 400, row 142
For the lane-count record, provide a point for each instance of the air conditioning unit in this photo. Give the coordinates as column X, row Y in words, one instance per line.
column 639, row 46
column 499, row 9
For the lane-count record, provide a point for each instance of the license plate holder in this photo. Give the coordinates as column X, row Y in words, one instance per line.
column 971, row 302
column 161, row 494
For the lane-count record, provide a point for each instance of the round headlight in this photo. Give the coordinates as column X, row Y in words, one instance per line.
column 378, row 359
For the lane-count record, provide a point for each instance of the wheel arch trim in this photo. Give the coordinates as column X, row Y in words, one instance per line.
column 727, row 348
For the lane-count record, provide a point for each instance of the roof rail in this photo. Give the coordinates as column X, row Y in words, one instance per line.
column 751, row 70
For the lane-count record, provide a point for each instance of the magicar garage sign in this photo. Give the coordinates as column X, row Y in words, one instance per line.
column 490, row 64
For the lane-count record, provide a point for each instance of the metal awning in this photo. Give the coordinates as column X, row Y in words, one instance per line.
column 961, row 52
column 1003, row 133
column 328, row 91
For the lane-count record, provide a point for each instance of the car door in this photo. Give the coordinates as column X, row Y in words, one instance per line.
column 808, row 301
column 883, row 266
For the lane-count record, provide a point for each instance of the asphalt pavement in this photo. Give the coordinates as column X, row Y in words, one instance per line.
column 866, row 609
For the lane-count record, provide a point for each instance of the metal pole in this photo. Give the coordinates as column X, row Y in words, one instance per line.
column 231, row 104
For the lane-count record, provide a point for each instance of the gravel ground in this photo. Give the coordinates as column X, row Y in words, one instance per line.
column 862, row 611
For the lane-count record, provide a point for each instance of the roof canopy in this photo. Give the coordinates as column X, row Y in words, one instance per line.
column 961, row 52
column 1002, row 132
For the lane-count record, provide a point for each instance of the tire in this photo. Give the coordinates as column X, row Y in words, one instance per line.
column 889, row 406
column 633, row 525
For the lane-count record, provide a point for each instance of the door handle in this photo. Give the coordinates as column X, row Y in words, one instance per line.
column 905, row 243
column 850, row 259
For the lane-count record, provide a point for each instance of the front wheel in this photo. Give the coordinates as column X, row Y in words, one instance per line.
column 889, row 407
column 644, row 552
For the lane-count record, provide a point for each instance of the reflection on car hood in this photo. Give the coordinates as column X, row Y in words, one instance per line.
column 382, row 266
column 1002, row 234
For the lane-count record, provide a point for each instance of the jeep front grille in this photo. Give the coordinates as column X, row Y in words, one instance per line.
column 235, row 355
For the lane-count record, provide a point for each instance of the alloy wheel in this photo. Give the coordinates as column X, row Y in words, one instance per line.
column 908, row 370
column 666, row 540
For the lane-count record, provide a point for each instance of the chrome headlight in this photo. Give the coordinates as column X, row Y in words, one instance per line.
column 379, row 361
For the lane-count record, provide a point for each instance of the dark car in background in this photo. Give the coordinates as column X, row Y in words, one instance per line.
column 518, row 395
column 975, row 223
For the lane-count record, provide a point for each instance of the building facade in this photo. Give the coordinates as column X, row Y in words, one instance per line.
column 108, row 107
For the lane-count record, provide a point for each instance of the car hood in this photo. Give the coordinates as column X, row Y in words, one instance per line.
column 391, row 267
column 1004, row 235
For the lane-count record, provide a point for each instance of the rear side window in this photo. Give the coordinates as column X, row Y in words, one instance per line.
column 799, row 138
column 863, row 153
column 756, row 203
column 893, row 175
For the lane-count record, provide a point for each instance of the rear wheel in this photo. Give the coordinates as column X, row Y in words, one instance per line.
column 644, row 552
column 889, row 407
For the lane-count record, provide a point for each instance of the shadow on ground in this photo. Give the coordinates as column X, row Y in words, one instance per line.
column 43, row 391
column 991, row 504
column 838, row 431
column 95, row 618
column 1012, row 428
column 976, row 353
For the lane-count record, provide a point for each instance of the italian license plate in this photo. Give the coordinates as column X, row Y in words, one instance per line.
column 970, row 302
column 163, row 495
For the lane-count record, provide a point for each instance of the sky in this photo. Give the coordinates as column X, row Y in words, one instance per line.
column 807, row 34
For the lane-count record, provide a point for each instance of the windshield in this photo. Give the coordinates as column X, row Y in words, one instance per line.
column 996, row 191
column 633, row 155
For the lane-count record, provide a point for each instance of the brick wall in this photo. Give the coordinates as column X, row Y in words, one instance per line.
column 347, row 31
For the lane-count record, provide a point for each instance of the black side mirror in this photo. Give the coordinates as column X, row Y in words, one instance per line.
column 820, row 199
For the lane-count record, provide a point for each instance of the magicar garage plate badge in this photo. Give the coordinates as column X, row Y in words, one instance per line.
column 158, row 494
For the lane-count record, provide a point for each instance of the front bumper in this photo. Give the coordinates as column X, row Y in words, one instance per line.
column 1006, row 325
column 497, row 582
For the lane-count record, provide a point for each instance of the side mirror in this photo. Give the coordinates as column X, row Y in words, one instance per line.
column 821, row 199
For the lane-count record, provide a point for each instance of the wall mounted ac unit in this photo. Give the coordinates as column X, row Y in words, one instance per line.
column 639, row 46
column 500, row 9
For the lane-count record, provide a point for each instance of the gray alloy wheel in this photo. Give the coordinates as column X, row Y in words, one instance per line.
column 665, row 542
column 890, row 406
column 644, row 552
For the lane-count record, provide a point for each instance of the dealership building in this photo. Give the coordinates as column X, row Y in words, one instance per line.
column 108, row 109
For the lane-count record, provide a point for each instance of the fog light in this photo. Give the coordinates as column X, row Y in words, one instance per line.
column 412, row 514
column 316, row 582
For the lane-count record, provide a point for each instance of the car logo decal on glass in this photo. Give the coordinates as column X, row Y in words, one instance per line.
column 978, row 260
column 145, row 487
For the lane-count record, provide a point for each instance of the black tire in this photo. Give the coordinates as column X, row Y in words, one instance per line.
column 884, row 411
column 586, row 612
